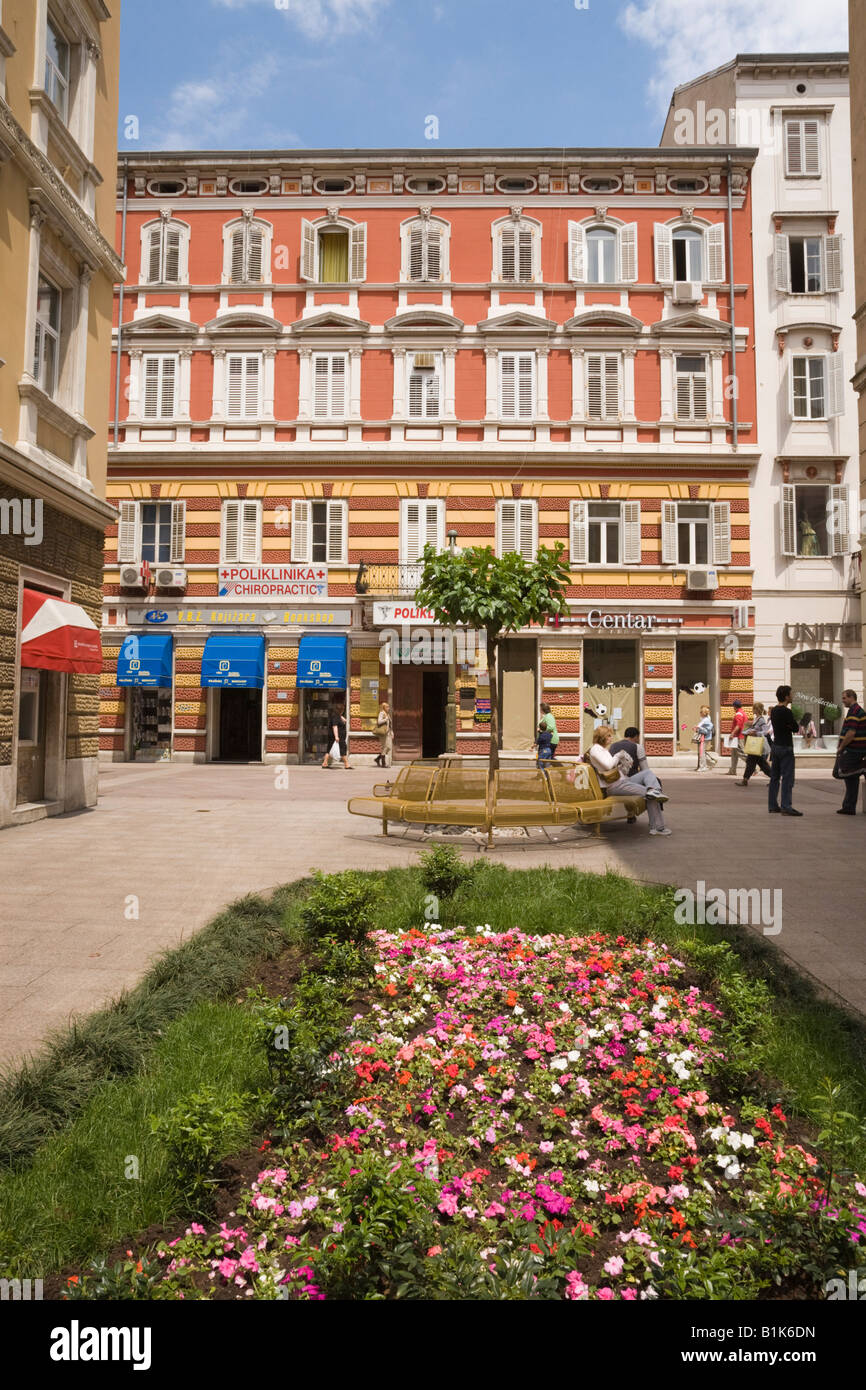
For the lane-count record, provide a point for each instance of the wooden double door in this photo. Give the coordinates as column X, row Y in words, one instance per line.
column 420, row 696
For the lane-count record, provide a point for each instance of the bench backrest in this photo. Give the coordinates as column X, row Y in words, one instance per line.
column 414, row 783
column 461, row 784
column 521, row 784
column 585, row 786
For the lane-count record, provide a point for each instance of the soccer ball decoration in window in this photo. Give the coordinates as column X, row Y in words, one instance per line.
column 699, row 688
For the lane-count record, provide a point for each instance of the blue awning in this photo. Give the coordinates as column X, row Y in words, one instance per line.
column 233, row 660
column 322, row 662
column 145, row 660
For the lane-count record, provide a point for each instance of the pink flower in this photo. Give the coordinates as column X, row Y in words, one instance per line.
column 545, row 1147
column 227, row 1268
column 605, row 1294
column 448, row 1204
column 614, row 1265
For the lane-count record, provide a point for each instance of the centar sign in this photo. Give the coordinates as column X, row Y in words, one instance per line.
column 638, row 621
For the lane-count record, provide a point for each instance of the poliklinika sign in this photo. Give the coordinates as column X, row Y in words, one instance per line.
column 273, row 581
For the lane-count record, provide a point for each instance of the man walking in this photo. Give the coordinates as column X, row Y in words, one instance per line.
column 782, row 767
column 734, row 741
column 851, row 756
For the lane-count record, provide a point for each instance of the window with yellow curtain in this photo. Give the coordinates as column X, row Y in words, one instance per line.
column 334, row 258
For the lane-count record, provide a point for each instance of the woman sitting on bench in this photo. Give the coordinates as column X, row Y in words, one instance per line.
column 614, row 781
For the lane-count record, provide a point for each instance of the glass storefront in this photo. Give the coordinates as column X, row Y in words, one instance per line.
column 151, row 715
column 611, row 691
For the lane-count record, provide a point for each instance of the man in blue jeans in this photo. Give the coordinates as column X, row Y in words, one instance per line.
column 782, row 766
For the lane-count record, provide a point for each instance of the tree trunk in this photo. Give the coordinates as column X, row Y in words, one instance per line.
column 493, row 764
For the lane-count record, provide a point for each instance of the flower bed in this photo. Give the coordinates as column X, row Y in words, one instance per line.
column 527, row 1116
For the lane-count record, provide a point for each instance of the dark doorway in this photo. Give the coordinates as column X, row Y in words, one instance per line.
column 434, row 700
column 240, row 726
column 406, row 715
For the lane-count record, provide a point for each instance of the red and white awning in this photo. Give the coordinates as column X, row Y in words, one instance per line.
column 57, row 635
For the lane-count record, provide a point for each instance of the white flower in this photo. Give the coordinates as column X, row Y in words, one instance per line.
column 556, row 1090
column 591, row 1187
column 559, row 1064
column 564, row 1009
column 573, row 1056
column 517, row 1009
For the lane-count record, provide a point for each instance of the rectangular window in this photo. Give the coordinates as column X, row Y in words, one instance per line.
column 603, row 385
column 517, row 385
column 516, row 254
column 518, row 528
column 156, row 520
column 247, row 255
column 422, row 523
column 693, row 533
column 425, row 252
column 160, row 388
column 163, row 254
column 688, row 249
column 57, row 70
column 425, row 391
column 330, row 374
column 815, row 520
column 690, row 382
column 46, row 353
column 334, row 257
column 604, row 533
column 805, row 260
column 243, row 390
column 802, row 148
column 319, row 532
column 241, row 532
column 809, row 388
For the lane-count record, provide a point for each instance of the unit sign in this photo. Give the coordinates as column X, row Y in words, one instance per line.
column 273, row 581
column 208, row 616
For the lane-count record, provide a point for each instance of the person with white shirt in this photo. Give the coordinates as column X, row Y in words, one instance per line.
column 615, row 782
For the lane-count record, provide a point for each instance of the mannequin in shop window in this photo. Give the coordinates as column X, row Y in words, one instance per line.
column 809, row 543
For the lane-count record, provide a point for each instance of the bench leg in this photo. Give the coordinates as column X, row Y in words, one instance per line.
column 384, row 824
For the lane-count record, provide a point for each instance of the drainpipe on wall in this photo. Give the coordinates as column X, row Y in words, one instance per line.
column 734, row 412
column 120, row 304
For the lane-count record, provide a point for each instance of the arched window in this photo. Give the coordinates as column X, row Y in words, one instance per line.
column 517, row 250
column 425, row 249
column 690, row 252
column 333, row 251
column 247, row 252
column 164, row 252
column 602, row 255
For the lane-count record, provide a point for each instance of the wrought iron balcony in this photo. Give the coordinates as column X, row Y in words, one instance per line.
column 393, row 581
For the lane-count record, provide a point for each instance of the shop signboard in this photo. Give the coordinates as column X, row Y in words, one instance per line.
column 208, row 615
column 273, row 581
column 482, row 711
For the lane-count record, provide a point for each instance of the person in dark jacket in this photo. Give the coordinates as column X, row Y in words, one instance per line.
column 785, row 727
column 337, row 733
column 851, row 755
column 631, row 744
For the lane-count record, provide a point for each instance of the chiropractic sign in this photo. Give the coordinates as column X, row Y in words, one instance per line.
column 273, row 581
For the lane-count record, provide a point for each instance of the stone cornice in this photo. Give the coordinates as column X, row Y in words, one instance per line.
column 29, row 477
column 57, row 200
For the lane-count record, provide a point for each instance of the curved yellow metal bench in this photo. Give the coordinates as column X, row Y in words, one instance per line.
column 515, row 797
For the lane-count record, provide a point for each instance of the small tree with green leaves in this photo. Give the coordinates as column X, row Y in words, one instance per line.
column 474, row 588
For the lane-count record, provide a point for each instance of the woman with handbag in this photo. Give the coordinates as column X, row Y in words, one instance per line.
column 337, row 732
column 615, row 783
column 385, row 735
column 756, row 745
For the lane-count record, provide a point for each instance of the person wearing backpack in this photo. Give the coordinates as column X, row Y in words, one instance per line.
column 703, row 737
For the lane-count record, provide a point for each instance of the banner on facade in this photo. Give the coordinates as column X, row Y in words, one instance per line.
column 273, row 581
column 227, row 616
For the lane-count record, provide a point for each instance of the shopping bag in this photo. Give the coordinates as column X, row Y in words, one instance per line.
column 754, row 746
column 334, row 750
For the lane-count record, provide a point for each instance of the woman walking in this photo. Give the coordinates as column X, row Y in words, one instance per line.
column 615, row 783
column 337, row 733
column 385, row 735
column 703, row 736
column 760, row 727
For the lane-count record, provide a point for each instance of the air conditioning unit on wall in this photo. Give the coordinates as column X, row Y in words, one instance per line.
column 687, row 292
column 170, row 579
column 702, row 580
column 132, row 577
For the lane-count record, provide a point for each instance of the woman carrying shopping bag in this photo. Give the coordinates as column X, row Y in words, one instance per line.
column 337, row 733
column 756, row 744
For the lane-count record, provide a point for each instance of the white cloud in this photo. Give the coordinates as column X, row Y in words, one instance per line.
column 319, row 19
column 218, row 112
column 694, row 36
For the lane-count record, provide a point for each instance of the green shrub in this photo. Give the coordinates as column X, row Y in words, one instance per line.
column 341, row 906
column 298, row 1038
column 200, row 1131
column 443, row 871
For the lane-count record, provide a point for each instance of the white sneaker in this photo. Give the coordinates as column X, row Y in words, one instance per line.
column 661, row 832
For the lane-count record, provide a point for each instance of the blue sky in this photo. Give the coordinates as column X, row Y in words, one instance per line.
column 241, row 74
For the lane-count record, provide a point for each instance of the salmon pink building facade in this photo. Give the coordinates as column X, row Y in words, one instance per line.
column 326, row 360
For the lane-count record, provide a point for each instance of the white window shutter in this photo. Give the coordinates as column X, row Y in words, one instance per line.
column 670, row 550
column 151, row 388
column 699, row 391
column 358, row 252
column 526, row 523
column 839, row 521
column 594, row 386
column 412, row 544
column 525, row 255
column 664, row 254
column 416, row 394
column 234, row 389
column 788, row 527
column 507, row 527
column 237, row 264
column 154, row 255
column 432, row 530
column 169, row 384
column 576, row 252
column 579, row 532
column 835, row 382
column 178, row 532
column 255, row 258
column 611, row 386
column 782, row 263
column 321, row 387
column 507, row 385
column 684, row 396
column 715, row 239
column 416, row 252
column 811, row 150
column 301, row 532
column 171, row 273
column 525, row 386
column 231, row 532
column 832, row 263
column 336, row 531
column 127, row 527
column 627, row 249
column 251, row 387
column 720, row 513
column 249, row 532
column 630, row 521
column 793, row 147
column 432, row 399
column 338, row 386
column 433, row 268
column 507, row 266
column 308, row 250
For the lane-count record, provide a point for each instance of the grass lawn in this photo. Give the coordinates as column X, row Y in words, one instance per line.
column 382, row 1141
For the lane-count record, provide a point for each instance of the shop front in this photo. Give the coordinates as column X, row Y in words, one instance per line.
column 233, row 672
column 322, row 680
column 144, row 669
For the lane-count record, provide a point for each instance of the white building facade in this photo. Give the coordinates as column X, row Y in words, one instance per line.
column 804, row 508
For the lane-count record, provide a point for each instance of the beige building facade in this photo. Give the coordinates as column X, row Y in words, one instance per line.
column 58, row 118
